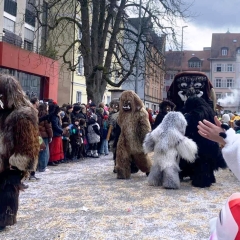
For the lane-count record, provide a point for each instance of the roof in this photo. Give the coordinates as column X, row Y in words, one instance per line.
column 229, row 40
column 173, row 60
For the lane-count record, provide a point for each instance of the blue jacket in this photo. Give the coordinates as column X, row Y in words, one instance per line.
column 56, row 126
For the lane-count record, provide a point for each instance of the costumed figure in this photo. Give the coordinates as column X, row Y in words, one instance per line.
column 134, row 124
column 209, row 159
column 19, row 145
column 114, row 131
column 169, row 144
column 189, row 84
column 165, row 107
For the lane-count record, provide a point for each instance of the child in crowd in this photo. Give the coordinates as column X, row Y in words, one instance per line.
column 75, row 138
column 93, row 136
column 65, row 139
column 104, row 145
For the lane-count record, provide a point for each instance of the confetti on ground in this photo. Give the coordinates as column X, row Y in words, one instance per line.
column 84, row 200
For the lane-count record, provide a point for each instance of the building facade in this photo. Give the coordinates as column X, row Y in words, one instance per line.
column 150, row 81
column 225, row 69
column 20, row 48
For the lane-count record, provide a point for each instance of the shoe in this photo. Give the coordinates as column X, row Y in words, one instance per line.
column 2, row 228
column 52, row 164
column 33, row 178
column 57, row 162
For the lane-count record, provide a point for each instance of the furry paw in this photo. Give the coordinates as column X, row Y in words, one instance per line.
column 171, row 178
column 155, row 178
column 223, row 135
column 225, row 126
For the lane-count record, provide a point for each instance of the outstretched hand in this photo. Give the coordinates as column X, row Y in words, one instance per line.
column 211, row 131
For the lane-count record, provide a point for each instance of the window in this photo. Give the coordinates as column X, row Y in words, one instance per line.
column 224, row 52
column 80, row 69
column 28, row 39
column 219, row 67
column 238, row 50
column 78, row 97
column 218, row 83
column 30, row 15
column 147, row 90
column 79, row 33
column 171, row 76
column 10, row 6
column 108, row 99
column 218, row 95
column 9, row 24
column 196, row 64
column 229, row 67
column 230, row 83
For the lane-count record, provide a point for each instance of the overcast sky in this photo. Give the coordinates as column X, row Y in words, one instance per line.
column 211, row 16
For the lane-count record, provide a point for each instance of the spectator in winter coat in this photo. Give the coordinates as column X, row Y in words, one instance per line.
column 65, row 140
column 55, row 147
column 45, row 131
column 77, row 113
column 104, row 145
column 82, row 152
column 93, row 136
column 67, row 117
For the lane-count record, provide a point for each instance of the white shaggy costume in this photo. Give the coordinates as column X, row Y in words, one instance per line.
column 169, row 145
column 231, row 150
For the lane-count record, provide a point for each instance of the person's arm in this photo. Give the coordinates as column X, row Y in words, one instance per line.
column 211, row 131
column 231, row 150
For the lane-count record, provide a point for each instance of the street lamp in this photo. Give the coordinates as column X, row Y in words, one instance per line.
column 182, row 46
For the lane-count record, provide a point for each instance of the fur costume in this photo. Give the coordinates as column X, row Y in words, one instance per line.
column 231, row 150
column 209, row 157
column 169, row 144
column 134, row 124
column 165, row 107
column 190, row 84
column 19, row 145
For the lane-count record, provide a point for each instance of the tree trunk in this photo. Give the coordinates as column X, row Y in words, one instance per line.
column 95, row 88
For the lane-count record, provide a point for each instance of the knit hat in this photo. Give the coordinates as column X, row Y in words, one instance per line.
column 100, row 111
column 227, row 225
column 69, row 107
column 225, row 118
column 76, row 108
column 92, row 105
column 105, row 117
column 94, row 116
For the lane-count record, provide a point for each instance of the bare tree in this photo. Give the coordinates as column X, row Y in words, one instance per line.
column 105, row 29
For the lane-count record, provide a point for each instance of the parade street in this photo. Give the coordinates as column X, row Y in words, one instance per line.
column 84, row 200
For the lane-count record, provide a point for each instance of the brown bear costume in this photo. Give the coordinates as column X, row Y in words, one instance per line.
column 134, row 124
column 19, row 145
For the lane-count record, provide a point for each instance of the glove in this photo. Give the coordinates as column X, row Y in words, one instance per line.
column 49, row 140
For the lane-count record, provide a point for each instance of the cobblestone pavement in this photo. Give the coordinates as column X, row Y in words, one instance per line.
column 84, row 200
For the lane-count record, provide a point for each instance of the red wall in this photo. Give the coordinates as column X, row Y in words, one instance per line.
column 29, row 62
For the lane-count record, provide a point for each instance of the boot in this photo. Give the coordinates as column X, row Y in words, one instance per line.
column 89, row 153
column 95, row 154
